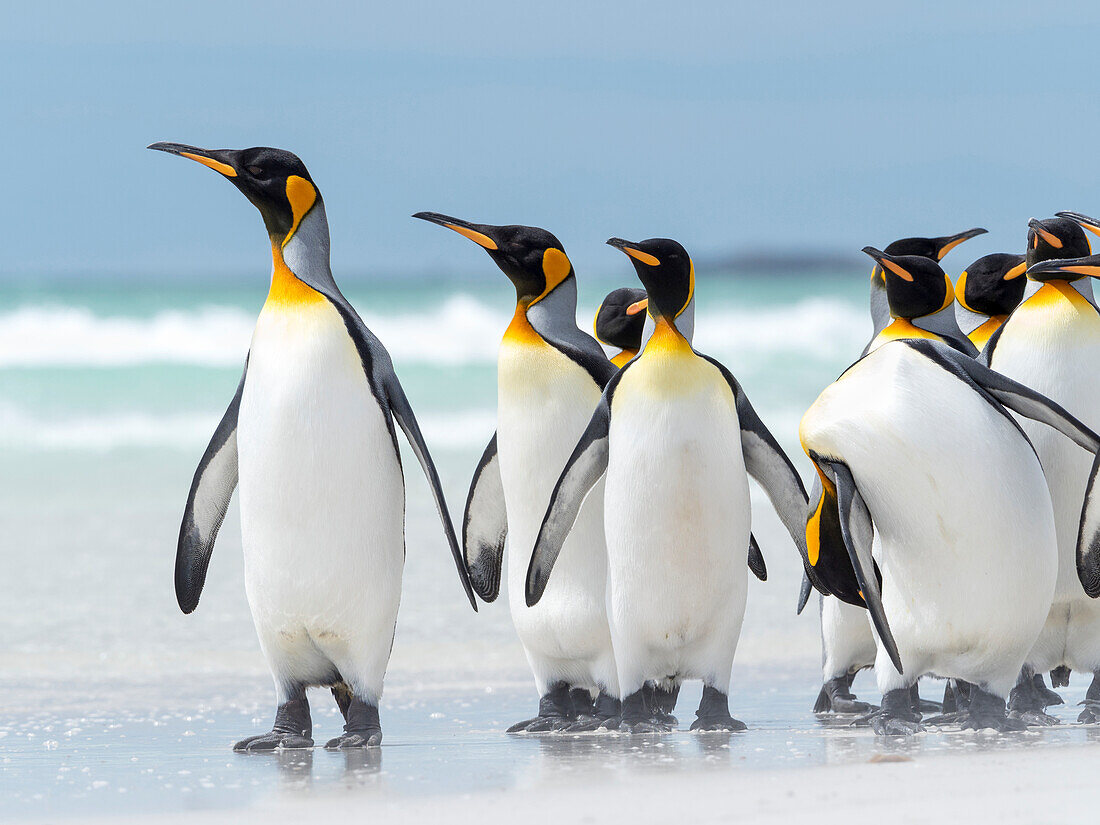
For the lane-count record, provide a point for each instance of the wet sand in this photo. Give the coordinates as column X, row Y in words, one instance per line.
column 116, row 749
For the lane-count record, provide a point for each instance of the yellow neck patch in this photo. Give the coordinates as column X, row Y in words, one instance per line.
column 903, row 328
column 520, row 332
column 980, row 337
column 287, row 289
column 624, row 357
column 949, row 296
column 960, row 291
column 667, row 340
column 302, row 195
column 1058, row 295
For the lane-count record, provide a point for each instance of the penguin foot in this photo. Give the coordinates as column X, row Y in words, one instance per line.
column 1091, row 714
column 836, row 696
column 275, row 740
column 1047, row 696
column 1059, row 677
column 952, row 718
column 584, row 724
column 1031, row 694
column 361, row 728
column 555, row 712
column 1035, row 718
column 897, row 716
column 987, row 711
column 293, row 728
column 893, row 726
column 646, row 726
column 714, row 712
column 662, row 703
column 541, row 724
column 726, row 723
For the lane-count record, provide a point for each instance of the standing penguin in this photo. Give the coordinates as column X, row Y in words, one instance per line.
column 309, row 437
column 935, row 249
column 918, row 310
column 915, row 435
column 1051, row 342
column 549, row 378
column 986, row 293
column 675, row 435
column 620, row 321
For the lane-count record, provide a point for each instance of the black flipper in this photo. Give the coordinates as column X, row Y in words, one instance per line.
column 804, row 593
column 1088, row 536
column 1011, row 394
column 402, row 412
column 857, row 532
column 207, row 502
column 766, row 462
column 485, row 525
column 756, row 560
column 585, row 467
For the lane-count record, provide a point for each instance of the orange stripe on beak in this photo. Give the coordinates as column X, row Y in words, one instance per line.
column 217, row 166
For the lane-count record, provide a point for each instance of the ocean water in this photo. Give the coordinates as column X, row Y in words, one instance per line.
column 109, row 392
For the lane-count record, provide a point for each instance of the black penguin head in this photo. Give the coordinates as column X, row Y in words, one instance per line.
column 276, row 182
column 620, row 320
column 532, row 258
column 992, row 284
column 1053, row 239
column 915, row 285
column 932, row 248
column 666, row 272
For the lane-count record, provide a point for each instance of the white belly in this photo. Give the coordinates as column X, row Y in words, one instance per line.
column 959, row 503
column 545, row 401
column 678, row 519
column 322, row 496
column 1054, row 348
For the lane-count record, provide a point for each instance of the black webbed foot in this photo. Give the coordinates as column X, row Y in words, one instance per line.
column 555, row 712
column 293, row 728
column 361, row 728
column 714, row 714
column 896, row 717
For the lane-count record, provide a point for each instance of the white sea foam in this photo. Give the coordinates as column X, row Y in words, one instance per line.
column 23, row 430
column 461, row 330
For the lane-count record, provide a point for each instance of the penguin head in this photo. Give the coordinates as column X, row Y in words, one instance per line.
column 666, row 272
column 1052, row 239
column 532, row 258
column 992, row 284
column 915, row 285
column 932, row 248
column 276, row 181
column 620, row 319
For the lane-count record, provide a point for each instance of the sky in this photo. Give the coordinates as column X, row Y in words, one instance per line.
column 733, row 127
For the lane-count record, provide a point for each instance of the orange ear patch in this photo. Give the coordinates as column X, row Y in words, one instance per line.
column 302, row 196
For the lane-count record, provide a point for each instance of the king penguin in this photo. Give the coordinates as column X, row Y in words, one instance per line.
column 986, row 293
column 902, row 306
column 1051, row 342
column 675, row 435
column 620, row 321
column 913, row 446
column 940, row 321
column 309, row 439
column 550, row 376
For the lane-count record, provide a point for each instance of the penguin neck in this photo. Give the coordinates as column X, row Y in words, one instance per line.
column 1078, row 293
column 980, row 336
column 300, row 272
column 547, row 318
column 685, row 325
column 666, row 340
column 624, row 358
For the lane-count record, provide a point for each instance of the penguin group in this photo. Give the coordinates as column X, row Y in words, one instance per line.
column 952, row 529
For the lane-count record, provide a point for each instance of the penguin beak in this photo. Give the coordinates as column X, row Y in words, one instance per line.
column 887, row 262
column 1016, row 271
column 1039, row 228
column 1091, row 224
column 478, row 233
column 638, row 306
column 635, row 253
column 949, row 242
column 220, row 160
column 1088, row 267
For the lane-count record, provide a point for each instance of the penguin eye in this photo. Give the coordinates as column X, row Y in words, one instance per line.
column 257, row 172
